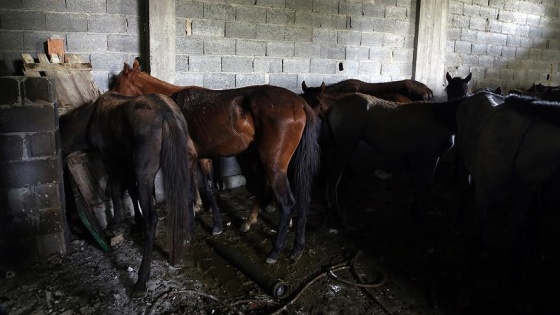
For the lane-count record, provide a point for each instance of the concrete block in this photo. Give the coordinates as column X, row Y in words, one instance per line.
column 390, row 40
column 11, row 40
column 469, row 35
column 311, row 80
column 335, row 21
column 280, row 49
column 373, row 10
column 298, row 34
column 295, row 65
column 248, row 79
column 11, row 91
column 38, row 89
column 333, row 51
column 123, row 43
column 10, row 5
column 42, row 5
column 206, row 28
column 250, row 48
column 219, row 46
column 106, row 23
column 281, row 16
column 128, row 7
column 267, row 65
column 306, row 5
column 218, row 11
column 460, row 21
column 551, row 55
column 237, row 64
column 205, row 63
column 41, row 144
column 272, row 3
column 384, row 25
column 350, row 8
column 252, row 13
column 12, row 147
column 308, row 50
column 398, row 13
column 110, row 61
column 307, row 18
column 90, row 42
column 270, row 32
column 37, row 118
column 394, row 68
column 357, row 53
column 369, row 67
column 403, row 55
column 331, row 79
column 241, row 2
column 380, row 54
column 479, row 49
column 328, row 36
column 24, row 173
column 89, row 6
column 536, row 32
column 101, row 79
column 526, row 42
column 372, row 39
column 349, row 37
column 182, row 63
column 404, row 28
column 23, row 20
column 189, row 9
column 463, row 47
column 66, row 22
column 190, row 45
column 189, row 78
column 351, row 68
column 326, row 6
column 51, row 221
column 219, row 80
column 236, row 29
column 289, row 81
column 135, row 25
column 533, row 53
column 361, row 23
column 324, row 66
column 477, row 23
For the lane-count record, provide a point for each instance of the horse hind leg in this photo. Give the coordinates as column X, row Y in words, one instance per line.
column 210, row 193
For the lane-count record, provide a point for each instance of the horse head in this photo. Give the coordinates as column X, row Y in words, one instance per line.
column 315, row 97
column 126, row 83
column 457, row 87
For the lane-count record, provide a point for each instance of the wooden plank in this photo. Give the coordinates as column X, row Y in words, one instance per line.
column 84, row 82
column 55, row 46
column 65, row 92
column 59, row 66
column 27, row 61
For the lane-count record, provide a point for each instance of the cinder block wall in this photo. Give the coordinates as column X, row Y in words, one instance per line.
column 227, row 44
column 503, row 42
column 105, row 32
column 31, row 192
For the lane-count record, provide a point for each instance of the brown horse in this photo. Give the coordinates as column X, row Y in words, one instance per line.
column 137, row 136
column 420, row 132
column 275, row 123
column 410, row 89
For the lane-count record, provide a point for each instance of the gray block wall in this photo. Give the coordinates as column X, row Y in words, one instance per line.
column 32, row 212
column 105, row 32
column 511, row 44
column 226, row 44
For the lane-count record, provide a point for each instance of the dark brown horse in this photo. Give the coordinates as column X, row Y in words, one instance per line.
column 275, row 123
column 410, row 89
column 419, row 131
column 457, row 87
column 137, row 136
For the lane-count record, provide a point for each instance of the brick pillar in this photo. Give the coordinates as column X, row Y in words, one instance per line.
column 32, row 212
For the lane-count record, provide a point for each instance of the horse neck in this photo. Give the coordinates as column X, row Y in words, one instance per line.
column 73, row 129
column 148, row 85
column 445, row 113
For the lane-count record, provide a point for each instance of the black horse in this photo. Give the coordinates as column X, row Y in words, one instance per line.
column 136, row 136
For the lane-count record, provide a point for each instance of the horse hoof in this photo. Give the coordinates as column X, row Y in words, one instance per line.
column 244, row 228
column 271, row 260
column 217, row 231
column 295, row 255
column 139, row 291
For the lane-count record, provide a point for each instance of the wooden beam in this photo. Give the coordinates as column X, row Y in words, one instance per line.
column 429, row 59
column 161, row 30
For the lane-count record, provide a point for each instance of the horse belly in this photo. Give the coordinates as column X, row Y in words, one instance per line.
column 539, row 154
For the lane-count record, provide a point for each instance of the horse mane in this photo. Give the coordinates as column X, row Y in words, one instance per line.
column 534, row 107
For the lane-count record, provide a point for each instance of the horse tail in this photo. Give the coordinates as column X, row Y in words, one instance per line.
column 178, row 184
column 305, row 163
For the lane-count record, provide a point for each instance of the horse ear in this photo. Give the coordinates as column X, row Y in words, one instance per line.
column 323, row 87
column 136, row 63
column 126, row 67
column 303, row 85
column 499, row 90
column 448, row 77
column 469, row 77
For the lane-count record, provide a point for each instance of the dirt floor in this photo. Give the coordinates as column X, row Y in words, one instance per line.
column 425, row 260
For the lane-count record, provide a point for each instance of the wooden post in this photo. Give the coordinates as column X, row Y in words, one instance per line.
column 161, row 20
column 429, row 59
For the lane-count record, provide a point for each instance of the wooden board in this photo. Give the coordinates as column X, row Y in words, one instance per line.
column 74, row 83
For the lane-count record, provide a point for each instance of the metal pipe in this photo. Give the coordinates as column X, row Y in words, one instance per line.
column 271, row 284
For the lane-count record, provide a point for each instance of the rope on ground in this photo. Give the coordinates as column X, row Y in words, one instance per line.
column 365, row 290
column 150, row 309
column 330, row 272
